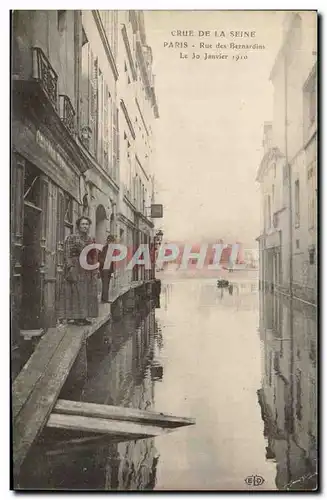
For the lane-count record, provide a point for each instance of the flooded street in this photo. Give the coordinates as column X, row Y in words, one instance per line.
column 212, row 370
column 200, row 354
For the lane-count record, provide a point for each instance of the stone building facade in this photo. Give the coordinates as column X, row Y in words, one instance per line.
column 288, row 170
column 288, row 258
column 83, row 105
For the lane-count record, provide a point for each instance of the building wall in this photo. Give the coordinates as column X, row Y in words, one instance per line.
column 288, row 328
column 99, row 109
column 87, row 168
column 45, row 161
column 294, row 65
column 52, row 31
column 137, row 116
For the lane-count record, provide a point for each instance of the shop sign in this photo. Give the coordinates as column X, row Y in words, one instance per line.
column 50, row 149
column 156, row 211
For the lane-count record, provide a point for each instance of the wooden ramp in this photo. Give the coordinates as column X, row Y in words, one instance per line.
column 38, row 385
column 115, row 421
column 122, row 414
column 75, row 426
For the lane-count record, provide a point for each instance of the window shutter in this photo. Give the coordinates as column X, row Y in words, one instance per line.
column 60, row 242
column 51, row 241
column 77, row 212
column 85, row 86
column 100, row 128
column 117, row 143
column 105, row 128
column 50, row 288
column 115, row 33
column 115, row 156
column 17, row 224
column 43, row 241
column 110, row 132
column 93, row 92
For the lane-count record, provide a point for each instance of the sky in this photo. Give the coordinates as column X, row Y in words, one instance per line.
column 208, row 143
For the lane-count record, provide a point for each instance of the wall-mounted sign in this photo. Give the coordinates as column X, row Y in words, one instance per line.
column 51, row 150
column 156, row 211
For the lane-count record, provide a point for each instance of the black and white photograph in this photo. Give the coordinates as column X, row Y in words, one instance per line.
column 163, row 250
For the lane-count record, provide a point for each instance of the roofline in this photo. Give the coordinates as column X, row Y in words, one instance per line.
column 281, row 51
column 272, row 154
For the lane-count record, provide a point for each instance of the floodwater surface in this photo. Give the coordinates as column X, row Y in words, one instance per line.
column 202, row 354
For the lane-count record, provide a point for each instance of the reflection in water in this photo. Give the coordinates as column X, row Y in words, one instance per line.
column 288, row 394
column 200, row 355
column 123, row 362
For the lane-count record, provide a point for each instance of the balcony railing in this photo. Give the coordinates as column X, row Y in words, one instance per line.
column 67, row 113
column 44, row 72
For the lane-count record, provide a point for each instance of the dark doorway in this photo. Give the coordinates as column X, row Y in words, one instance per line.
column 31, row 256
column 31, row 296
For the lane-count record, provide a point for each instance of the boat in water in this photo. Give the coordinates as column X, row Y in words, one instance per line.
column 221, row 283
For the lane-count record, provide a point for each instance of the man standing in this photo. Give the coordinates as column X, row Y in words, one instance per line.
column 105, row 274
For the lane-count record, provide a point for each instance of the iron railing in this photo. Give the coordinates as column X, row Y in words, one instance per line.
column 67, row 113
column 44, row 72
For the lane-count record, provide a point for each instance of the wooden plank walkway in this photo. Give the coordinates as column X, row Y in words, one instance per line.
column 37, row 387
column 163, row 420
column 129, row 430
column 79, row 420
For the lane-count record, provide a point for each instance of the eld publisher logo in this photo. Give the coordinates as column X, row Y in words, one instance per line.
column 254, row 480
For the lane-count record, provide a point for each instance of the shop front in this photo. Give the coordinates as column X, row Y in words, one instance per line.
column 45, row 201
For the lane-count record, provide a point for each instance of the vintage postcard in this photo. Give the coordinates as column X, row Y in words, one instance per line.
column 164, row 250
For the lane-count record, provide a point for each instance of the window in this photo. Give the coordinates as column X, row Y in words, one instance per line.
column 273, row 196
column 274, row 170
column 110, row 23
column 84, row 38
column 115, row 142
column 285, row 172
column 143, row 199
column 310, row 104
column 106, row 129
column 89, row 98
column 297, row 244
column 94, row 103
column 297, row 203
column 32, row 185
column 68, row 214
column 100, row 118
column 268, row 212
column 270, row 368
column 298, row 396
column 312, row 99
column 312, row 255
column 276, row 362
column 312, row 196
column 61, row 20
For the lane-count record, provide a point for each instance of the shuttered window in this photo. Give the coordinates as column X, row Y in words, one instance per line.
column 115, row 142
column 93, row 93
column 68, row 215
column 100, row 128
column 312, row 196
column 105, row 128
column 85, row 90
